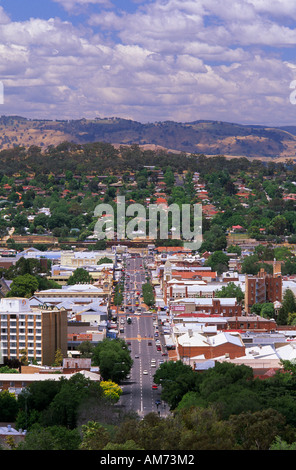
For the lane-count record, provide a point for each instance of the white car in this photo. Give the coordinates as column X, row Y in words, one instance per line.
column 145, row 372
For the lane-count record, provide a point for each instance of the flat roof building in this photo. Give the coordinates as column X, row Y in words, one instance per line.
column 34, row 333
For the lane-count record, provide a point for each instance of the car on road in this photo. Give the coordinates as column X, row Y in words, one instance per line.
column 154, row 387
column 145, row 372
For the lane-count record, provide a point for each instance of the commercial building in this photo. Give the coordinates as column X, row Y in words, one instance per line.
column 78, row 294
column 226, row 307
column 193, row 345
column 36, row 333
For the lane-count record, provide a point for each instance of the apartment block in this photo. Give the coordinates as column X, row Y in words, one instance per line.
column 39, row 332
column 263, row 287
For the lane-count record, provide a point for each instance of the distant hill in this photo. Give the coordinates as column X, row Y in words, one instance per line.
column 207, row 137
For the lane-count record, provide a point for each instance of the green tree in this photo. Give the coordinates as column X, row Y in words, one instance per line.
column 105, row 260
column 169, row 177
column 58, row 360
column 86, row 349
column 118, row 296
column 203, row 429
column 231, row 290
column 176, row 379
column 214, row 239
column 63, row 409
column 250, row 265
column 94, row 436
column 113, row 358
column 280, row 444
column 257, row 431
column 218, row 261
column 288, row 307
column 128, row 445
column 234, row 249
column 8, row 406
column 23, row 286
column 267, row 310
column 51, row 438
column 148, row 294
column 80, row 275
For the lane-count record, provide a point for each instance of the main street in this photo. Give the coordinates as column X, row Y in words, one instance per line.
column 139, row 392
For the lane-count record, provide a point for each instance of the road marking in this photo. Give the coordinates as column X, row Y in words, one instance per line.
column 139, row 338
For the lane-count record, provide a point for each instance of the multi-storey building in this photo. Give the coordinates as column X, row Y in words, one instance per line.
column 226, row 307
column 263, row 287
column 37, row 333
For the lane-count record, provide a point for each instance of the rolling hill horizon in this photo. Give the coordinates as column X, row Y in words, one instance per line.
column 206, row 137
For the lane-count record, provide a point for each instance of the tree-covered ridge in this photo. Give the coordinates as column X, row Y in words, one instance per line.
column 97, row 157
column 209, row 137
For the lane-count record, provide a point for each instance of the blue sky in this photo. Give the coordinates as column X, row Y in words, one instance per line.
column 149, row 60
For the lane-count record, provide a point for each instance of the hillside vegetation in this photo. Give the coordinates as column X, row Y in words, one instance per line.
column 207, row 137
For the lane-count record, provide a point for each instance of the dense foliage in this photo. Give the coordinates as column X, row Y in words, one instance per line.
column 223, row 408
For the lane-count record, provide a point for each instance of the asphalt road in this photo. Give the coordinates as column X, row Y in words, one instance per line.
column 138, row 394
